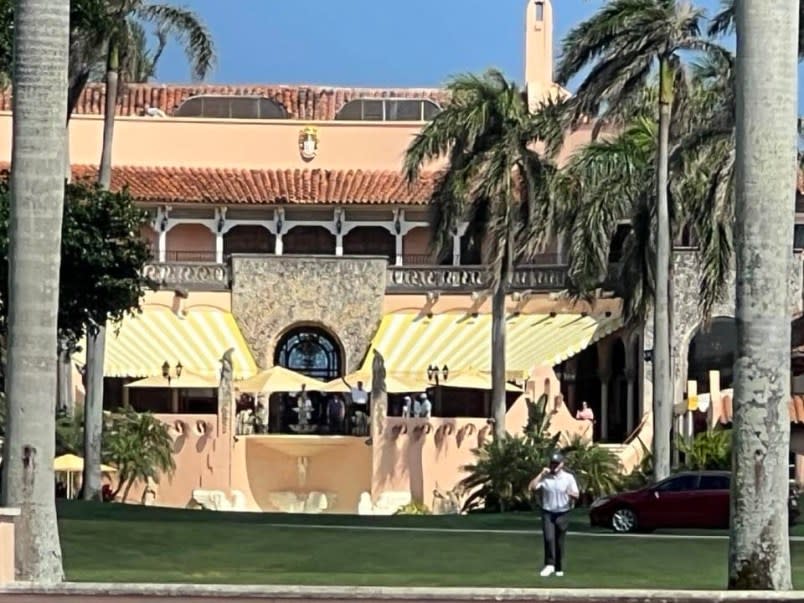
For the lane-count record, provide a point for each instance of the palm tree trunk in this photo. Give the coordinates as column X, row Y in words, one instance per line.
column 662, row 359
column 42, row 30
column 498, row 359
column 96, row 336
column 767, row 39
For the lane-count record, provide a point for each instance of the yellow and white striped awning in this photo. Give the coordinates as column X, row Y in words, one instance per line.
column 139, row 345
column 410, row 342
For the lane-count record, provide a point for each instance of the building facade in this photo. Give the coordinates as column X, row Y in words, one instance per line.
column 282, row 229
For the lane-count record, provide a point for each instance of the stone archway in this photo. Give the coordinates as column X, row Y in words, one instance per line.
column 713, row 348
column 312, row 351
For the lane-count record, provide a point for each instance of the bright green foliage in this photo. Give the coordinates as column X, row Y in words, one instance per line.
column 499, row 477
column 139, row 446
column 413, row 508
column 710, row 449
column 596, row 469
column 102, row 259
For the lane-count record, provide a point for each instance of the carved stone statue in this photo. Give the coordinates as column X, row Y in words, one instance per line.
column 379, row 397
column 226, row 390
column 226, row 365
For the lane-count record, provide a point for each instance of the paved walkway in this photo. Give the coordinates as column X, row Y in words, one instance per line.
column 575, row 534
column 191, row 593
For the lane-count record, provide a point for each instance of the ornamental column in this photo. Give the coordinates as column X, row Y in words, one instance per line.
column 604, row 374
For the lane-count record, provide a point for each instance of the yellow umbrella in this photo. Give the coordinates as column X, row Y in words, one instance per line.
column 474, row 379
column 278, row 379
column 187, row 380
column 393, row 384
column 72, row 464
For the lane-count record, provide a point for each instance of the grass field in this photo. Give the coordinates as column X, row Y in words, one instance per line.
column 134, row 544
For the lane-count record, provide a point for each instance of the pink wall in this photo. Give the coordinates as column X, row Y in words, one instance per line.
column 200, row 454
column 193, row 238
column 262, row 465
column 417, row 242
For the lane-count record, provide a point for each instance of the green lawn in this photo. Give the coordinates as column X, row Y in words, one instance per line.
column 134, row 544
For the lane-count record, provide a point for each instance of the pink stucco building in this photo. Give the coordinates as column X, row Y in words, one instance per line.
column 282, row 229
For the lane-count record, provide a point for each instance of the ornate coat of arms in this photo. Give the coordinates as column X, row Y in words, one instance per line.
column 308, row 143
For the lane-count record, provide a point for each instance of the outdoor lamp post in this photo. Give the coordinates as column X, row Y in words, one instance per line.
column 434, row 374
column 166, row 371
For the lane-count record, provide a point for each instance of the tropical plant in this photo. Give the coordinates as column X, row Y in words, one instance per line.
column 139, row 446
column 119, row 28
column 413, row 508
column 640, row 476
column 102, row 258
column 767, row 78
column 596, row 469
column 624, row 43
column 69, row 433
column 41, row 39
column 710, row 449
column 499, row 477
column 537, row 429
column 723, row 22
column 494, row 182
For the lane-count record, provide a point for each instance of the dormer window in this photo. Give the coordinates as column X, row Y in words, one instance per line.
column 231, row 107
column 539, row 7
column 402, row 109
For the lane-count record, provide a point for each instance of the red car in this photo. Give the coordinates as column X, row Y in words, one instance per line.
column 694, row 499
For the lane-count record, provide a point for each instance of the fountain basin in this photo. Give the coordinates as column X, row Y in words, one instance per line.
column 296, row 446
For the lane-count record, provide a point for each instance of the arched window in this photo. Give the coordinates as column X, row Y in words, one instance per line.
column 310, row 351
column 231, row 107
column 713, row 349
column 389, row 109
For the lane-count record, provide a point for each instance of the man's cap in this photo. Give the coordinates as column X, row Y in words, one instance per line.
column 423, row 397
column 556, row 457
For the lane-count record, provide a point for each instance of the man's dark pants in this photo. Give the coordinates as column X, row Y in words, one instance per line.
column 554, row 530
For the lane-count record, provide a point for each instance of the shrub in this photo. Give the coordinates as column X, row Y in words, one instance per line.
column 641, row 475
column 413, row 508
column 596, row 469
column 710, row 449
column 499, row 477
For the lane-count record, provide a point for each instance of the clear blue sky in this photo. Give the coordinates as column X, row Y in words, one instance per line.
column 367, row 42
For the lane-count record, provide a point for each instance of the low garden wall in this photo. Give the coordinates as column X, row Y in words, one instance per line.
column 123, row 593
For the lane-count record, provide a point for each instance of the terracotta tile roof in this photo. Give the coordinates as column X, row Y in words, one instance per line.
column 264, row 187
column 301, row 102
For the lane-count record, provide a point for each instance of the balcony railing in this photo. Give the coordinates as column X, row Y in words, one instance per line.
column 459, row 279
column 204, row 276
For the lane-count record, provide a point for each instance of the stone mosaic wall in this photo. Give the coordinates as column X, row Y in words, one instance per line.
column 271, row 294
column 686, row 318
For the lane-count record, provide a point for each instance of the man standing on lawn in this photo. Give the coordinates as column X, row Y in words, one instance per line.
column 559, row 491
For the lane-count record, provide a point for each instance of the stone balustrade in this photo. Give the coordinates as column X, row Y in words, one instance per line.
column 205, row 276
column 400, row 279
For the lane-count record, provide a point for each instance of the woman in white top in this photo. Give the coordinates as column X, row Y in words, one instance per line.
column 559, row 491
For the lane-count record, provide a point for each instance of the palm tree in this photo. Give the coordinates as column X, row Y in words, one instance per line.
column 120, row 29
column 41, row 44
column 625, row 42
column 723, row 22
column 767, row 41
column 494, row 181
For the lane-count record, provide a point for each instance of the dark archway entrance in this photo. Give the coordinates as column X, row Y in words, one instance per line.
column 713, row 349
column 311, row 351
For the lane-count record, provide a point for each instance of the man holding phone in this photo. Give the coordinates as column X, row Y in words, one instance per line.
column 559, row 491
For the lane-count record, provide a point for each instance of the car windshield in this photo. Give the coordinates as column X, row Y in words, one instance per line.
column 680, row 483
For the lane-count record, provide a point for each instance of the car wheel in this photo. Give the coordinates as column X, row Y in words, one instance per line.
column 624, row 520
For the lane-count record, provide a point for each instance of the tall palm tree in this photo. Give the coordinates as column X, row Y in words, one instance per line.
column 624, row 43
column 767, row 44
column 723, row 22
column 120, row 28
column 494, row 181
column 41, row 42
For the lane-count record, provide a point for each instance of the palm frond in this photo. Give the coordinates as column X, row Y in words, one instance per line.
column 186, row 27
